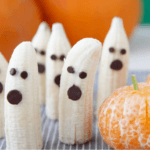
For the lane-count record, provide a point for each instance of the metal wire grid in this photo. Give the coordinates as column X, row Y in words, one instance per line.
column 50, row 128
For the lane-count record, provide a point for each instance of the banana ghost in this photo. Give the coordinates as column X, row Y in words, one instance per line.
column 3, row 70
column 39, row 42
column 76, row 92
column 22, row 109
column 113, row 69
column 57, row 49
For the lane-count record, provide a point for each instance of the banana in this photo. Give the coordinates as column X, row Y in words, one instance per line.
column 39, row 42
column 3, row 70
column 76, row 92
column 22, row 109
column 57, row 49
column 113, row 68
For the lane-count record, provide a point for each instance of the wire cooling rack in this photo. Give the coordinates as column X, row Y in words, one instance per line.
column 50, row 127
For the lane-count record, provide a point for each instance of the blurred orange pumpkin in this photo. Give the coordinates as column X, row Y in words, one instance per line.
column 90, row 18
column 19, row 20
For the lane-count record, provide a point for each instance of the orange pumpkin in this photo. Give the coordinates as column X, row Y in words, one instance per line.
column 19, row 20
column 124, row 118
column 82, row 18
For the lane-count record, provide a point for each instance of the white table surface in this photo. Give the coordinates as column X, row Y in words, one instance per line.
column 140, row 49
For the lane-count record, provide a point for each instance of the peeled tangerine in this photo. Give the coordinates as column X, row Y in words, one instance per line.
column 113, row 69
column 76, row 92
column 148, row 79
column 22, row 109
column 3, row 70
column 124, row 118
column 57, row 50
column 39, row 42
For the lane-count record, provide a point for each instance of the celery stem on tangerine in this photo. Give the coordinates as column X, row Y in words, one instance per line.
column 134, row 81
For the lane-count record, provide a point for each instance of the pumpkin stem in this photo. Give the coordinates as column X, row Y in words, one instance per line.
column 134, row 81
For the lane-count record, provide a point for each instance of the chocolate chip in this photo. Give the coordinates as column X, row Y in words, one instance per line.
column 62, row 57
column 111, row 49
column 57, row 79
column 53, row 57
column 82, row 75
column 14, row 97
column 24, row 74
column 13, row 71
column 1, row 87
column 41, row 68
column 70, row 69
column 74, row 93
column 42, row 52
column 123, row 51
column 116, row 65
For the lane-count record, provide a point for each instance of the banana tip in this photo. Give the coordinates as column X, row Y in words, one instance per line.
column 117, row 22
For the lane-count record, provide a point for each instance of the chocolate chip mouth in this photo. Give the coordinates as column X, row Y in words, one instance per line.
column 57, row 79
column 74, row 93
column 14, row 97
column 1, row 87
column 116, row 65
column 41, row 68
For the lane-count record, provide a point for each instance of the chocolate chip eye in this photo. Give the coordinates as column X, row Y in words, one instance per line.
column 70, row 69
column 62, row 57
column 111, row 49
column 13, row 71
column 42, row 52
column 82, row 75
column 123, row 51
column 24, row 74
column 53, row 57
